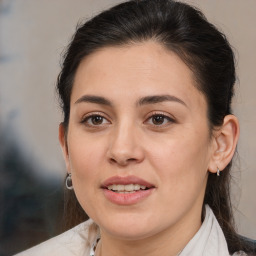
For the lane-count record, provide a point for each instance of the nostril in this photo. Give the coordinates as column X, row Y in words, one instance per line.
column 112, row 160
column 131, row 159
column 122, row 162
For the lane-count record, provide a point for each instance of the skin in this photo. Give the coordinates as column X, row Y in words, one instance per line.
column 175, row 155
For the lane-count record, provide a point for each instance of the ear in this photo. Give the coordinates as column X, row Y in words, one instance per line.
column 64, row 146
column 224, row 144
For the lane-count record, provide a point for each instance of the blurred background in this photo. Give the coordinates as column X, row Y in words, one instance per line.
column 33, row 34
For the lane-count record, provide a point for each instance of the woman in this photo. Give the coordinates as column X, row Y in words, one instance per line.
column 148, row 135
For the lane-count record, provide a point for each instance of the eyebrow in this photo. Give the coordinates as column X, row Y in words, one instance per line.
column 94, row 99
column 154, row 99
column 159, row 99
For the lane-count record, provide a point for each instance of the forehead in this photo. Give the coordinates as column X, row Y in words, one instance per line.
column 140, row 69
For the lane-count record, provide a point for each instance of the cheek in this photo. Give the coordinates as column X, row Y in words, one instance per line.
column 182, row 174
column 86, row 156
column 181, row 160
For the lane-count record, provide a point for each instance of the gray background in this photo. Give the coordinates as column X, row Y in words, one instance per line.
column 34, row 33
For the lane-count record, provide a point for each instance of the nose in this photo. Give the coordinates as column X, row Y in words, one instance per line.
column 125, row 146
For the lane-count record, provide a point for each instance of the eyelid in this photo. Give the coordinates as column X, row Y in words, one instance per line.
column 161, row 113
column 155, row 112
column 92, row 114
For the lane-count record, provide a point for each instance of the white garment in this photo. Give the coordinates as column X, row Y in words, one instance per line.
column 208, row 241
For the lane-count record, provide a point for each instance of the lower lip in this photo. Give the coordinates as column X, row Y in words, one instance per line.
column 129, row 198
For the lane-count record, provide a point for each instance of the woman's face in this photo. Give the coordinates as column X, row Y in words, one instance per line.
column 138, row 141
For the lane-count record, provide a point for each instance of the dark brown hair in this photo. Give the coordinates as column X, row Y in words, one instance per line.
column 184, row 30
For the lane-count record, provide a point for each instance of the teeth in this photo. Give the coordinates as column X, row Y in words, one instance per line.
column 129, row 187
column 126, row 188
column 137, row 187
column 120, row 187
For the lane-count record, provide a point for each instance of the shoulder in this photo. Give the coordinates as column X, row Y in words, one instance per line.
column 72, row 242
column 249, row 247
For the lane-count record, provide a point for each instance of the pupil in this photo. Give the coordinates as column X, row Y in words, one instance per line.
column 97, row 120
column 158, row 120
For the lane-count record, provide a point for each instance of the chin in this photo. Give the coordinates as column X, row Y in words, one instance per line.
column 128, row 228
column 130, row 234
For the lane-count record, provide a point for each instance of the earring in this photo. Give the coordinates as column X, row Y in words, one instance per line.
column 218, row 171
column 69, row 184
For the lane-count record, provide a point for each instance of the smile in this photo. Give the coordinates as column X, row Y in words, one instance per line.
column 130, row 188
column 127, row 190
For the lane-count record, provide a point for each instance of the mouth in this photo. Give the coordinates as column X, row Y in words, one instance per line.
column 127, row 190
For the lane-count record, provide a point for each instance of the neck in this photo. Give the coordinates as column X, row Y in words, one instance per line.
column 168, row 242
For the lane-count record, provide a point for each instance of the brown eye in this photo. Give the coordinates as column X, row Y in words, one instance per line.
column 95, row 120
column 158, row 119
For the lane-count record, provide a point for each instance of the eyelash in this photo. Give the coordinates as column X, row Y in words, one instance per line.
column 88, row 117
column 167, row 119
column 87, row 120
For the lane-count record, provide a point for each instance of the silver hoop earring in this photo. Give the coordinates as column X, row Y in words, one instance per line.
column 218, row 171
column 69, row 184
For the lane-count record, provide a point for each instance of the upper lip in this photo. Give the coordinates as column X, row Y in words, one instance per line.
column 125, row 181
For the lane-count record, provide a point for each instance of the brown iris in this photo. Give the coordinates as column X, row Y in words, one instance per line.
column 158, row 119
column 97, row 120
